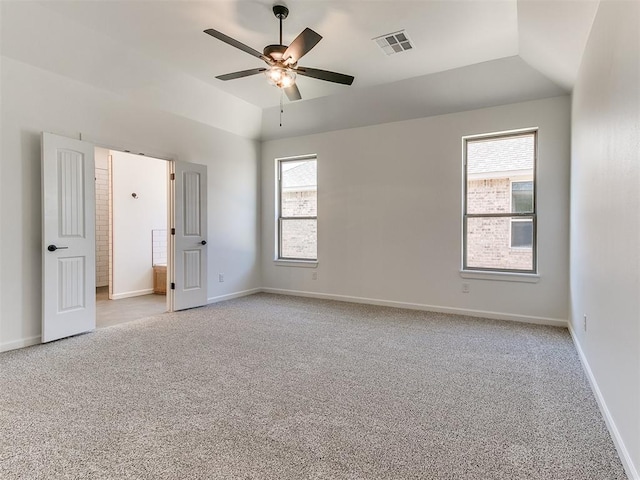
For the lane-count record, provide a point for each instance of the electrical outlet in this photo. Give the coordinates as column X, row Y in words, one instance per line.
column 221, row 277
column 465, row 288
column 584, row 322
column 314, row 275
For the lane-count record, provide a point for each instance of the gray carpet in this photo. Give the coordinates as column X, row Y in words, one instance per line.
column 274, row 387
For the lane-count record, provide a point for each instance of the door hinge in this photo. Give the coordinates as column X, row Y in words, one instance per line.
column 172, row 176
column 173, row 231
column 173, row 286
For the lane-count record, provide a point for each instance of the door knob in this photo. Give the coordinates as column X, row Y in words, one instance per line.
column 53, row 248
column 203, row 242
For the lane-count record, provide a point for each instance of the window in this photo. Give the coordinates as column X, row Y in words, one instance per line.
column 521, row 202
column 499, row 221
column 297, row 209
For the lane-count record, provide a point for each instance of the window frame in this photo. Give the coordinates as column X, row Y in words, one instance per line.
column 280, row 218
column 513, row 216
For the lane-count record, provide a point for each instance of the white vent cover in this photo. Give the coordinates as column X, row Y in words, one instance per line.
column 392, row 43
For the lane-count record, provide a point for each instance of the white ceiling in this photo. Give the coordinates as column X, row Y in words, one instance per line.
column 448, row 35
column 497, row 82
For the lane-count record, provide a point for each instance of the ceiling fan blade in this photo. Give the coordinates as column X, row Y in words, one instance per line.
column 235, row 43
column 325, row 75
column 243, row 73
column 301, row 45
column 293, row 93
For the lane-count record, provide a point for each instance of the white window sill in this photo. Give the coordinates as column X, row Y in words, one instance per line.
column 501, row 276
column 296, row 263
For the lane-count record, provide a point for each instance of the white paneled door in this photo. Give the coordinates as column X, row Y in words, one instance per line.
column 189, row 192
column 68, row 233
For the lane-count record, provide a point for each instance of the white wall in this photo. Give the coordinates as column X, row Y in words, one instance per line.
column 35, row 33
column 34, row 100
column 389, row 213
column 134, row 219
column 605, row 224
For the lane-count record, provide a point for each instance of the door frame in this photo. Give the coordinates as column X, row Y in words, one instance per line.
column 170, row 207
column 169, row 213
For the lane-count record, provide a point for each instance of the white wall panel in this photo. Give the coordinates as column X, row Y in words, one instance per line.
column 71, row 283
column 191, row 214
column 192, row 273
column 70, row 181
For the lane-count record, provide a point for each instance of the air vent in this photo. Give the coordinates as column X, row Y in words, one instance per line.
column 393, row 43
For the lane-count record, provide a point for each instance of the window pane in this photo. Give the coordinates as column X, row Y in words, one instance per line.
column 491, row 166
column 522, row 197
column 489, row 245
column 299, row 196
column 522, row 233
column 299, row 239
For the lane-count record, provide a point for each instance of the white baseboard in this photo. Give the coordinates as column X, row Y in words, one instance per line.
column 625, row 458
column 24, row 342
column 420, row 306
column 229, row 296
column 136, row 293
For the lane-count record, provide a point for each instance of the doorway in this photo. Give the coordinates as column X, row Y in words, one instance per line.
column 131, row 236
column 69, row 254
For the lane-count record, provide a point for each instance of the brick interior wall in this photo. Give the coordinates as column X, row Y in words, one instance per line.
column 489, row 239
column 102, row 227
column 159, row 246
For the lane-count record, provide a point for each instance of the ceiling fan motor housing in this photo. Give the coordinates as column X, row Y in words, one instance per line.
column 280, row 11
column 275, row 51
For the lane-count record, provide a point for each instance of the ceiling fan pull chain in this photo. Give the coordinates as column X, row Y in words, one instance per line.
column 281, row 105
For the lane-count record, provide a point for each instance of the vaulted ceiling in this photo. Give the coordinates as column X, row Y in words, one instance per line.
column 467, row 54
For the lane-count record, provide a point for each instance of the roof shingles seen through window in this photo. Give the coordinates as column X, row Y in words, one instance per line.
column 499, row 155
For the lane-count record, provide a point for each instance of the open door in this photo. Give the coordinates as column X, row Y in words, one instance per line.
column 189, row 235
column 68, row 234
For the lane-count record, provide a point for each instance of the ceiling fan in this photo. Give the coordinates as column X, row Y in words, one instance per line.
column 282, row 60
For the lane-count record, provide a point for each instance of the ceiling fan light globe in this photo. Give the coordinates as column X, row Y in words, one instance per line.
column 287, row 80
column 280, row 77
